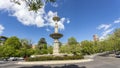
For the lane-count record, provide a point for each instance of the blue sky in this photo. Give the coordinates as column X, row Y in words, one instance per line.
column 79, row 18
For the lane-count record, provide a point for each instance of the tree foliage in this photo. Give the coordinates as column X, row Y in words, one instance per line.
column 13, row 42
column 42, row 44
column 8, row 51
column 14, row 47
column 117, row 33
column 1, row 51
column 87, row 47
column 34, row 5
column 26, row 43
column 2, row 40
column 24, row 52
column 50, row 49
column 72, row 41
column 72, row 47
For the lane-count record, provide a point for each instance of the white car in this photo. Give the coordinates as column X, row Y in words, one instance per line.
column 1, row 61
column 12, row 59
column 20, row 58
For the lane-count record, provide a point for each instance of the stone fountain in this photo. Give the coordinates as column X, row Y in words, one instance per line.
column 56, row 36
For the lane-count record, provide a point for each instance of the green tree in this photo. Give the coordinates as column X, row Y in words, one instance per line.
column 42, row 44
column 2, row 40
column 65, row 49
column 41, row 47
column 50, row 49
column 26, row 43
column 114, row 40
column 38, row 51
column 72, row 41
column 73, row 49
column 117, row 33
column 1, row 51
column 26, row 49
column 87, row 47
column 34, row 5
column 8, row 51
column 13, row 42
column 25, row 52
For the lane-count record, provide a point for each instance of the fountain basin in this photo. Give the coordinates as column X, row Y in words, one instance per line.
column 56, row 35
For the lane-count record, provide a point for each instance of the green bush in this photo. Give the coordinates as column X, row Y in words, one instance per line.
column 45, row 58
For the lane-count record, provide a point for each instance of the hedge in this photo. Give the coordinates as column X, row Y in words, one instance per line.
column 45, row 58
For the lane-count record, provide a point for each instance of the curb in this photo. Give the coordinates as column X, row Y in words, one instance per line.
column 54, row 62
column 94, row 55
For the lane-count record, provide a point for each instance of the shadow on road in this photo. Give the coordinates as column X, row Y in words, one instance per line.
column 65, row 66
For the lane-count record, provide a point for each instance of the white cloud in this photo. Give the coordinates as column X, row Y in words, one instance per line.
column 117, row 21
column 54, row 4
column 106, row 32
column 28, row 18
column 1, row 29
column 49, row 18
column 47, row 29
column 68, row 21
column 108, row 28
column 104, row 26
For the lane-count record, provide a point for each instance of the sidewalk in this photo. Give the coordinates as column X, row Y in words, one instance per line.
column 55, row 62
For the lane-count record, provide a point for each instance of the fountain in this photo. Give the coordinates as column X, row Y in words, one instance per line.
column 56, row 36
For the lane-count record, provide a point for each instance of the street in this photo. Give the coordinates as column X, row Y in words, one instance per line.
column 99, row 62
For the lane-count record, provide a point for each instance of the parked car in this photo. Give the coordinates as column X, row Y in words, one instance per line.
column 20, row 58
column 1, row 61
column 117, row 56
column 12, row 59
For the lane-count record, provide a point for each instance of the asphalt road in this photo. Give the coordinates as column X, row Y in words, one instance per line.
column 99, row 62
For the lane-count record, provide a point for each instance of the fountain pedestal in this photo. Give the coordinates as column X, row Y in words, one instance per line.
column 56, row 47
